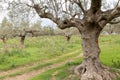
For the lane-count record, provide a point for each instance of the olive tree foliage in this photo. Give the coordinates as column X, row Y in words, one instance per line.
column 24, row 30
column 21, row 31
column 68, row 32
column 36, row 29
column 113, row 27
column 89, row 17
column 117, row 28
column 20, row 15
column 6, row 30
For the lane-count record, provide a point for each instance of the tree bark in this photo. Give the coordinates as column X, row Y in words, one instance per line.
column 91, row 67
column 22, row 40
column 68, row 37
column 4, row 40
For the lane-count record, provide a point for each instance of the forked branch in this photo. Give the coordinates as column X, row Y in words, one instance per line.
column 78, row 2
column 108, row 16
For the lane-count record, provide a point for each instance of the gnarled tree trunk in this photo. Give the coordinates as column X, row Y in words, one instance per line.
column 91, row 67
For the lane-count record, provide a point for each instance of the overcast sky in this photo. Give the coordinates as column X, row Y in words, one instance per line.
column 45, row 22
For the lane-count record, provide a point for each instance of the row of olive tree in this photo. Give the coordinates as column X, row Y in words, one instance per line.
column 10, row 30
column 112, row 29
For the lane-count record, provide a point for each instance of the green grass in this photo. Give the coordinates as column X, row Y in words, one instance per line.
column 110, row 56
column 48, row 47
column 49, row 74
column 42, row 65
column 110, row 50
column 60, row 73
column 36, row 49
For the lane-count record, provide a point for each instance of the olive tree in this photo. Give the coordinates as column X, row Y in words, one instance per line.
column 113, row 27
column 89, row 17
column 68, row 34
column 21, row 31
column 19, row 15
column 117, row 28
column 6, row 28
column 36, row 29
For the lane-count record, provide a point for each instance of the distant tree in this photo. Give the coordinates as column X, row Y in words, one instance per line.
column 109, row 29
column 47, row 30
column 68, row 34
column 117, row 28
column 36, row 29
column 113, row 27
column 21, row 31
column 72, row 30
column 68, row 37
column 20, row 16
column 5, row 30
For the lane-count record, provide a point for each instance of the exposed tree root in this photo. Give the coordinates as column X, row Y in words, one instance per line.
column 97, row 71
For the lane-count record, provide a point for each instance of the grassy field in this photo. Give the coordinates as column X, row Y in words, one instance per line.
column 110, row 50
column 59, row 73
column 110, row 56
column 36, row 49
column 45, row 48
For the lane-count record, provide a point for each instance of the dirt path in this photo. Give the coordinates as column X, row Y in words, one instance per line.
column 22, row 68
column 29, row 75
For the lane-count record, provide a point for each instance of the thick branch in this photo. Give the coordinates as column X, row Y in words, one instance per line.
column 115, row 12
column 44, row 14
column 117, row 3
column 114, row 22
column 61, row 24
column 108, row 16
column 95, row 5
column 67, row 23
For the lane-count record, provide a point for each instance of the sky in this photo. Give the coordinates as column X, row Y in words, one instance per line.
column 45, row 22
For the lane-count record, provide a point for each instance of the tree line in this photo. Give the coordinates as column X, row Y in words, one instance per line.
column 9, row 30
